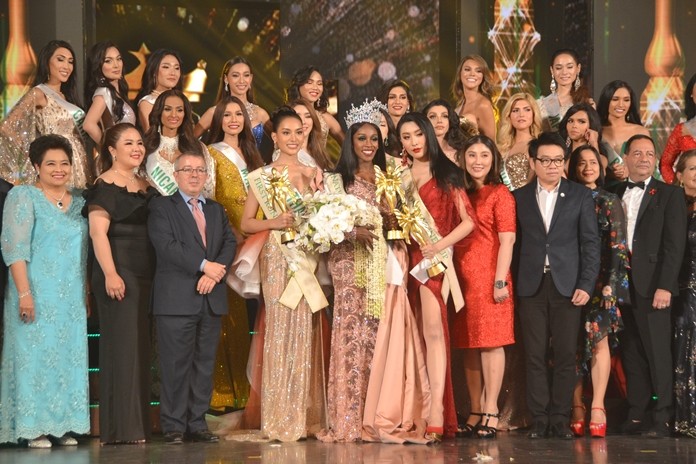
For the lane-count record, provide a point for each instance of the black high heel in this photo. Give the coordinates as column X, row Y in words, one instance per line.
column 468, row 430
column 485, row 430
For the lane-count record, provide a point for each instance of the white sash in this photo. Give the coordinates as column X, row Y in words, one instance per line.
column 77, row 113
column 161, row 174
column 234, row 157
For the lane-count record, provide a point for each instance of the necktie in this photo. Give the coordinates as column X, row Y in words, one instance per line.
column 640, row 185
column 198, row 217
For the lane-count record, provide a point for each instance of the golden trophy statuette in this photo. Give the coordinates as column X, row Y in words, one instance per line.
column 389, row 185
column 413, row 225
column 279, row 188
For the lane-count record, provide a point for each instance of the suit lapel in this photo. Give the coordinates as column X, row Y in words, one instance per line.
column 560, row 199
column 187, row 216
column 210, row 217
column 652, row 189
column 533, row 203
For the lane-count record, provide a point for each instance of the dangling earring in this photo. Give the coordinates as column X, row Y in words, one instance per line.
column 386, row 142
column 227, row 88
column 568, row 141
column 577, row 82
column 553, row 85
column 404, row 157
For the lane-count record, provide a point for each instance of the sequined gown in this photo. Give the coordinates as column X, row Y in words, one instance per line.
column 230, row 383
column 600, row 322
column 43, row 382
column 551, row 112
column 124, row 326
column 682, row 138
column 516, row 169
column 483, row 323
column 25, row 122
column 352, row 337
column 441, row 205
column 684, row 340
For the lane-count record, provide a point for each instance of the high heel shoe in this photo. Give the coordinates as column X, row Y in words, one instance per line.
column 468, row 430
column 599, row 429
column 485, row 430
column 434, row 434
column 578, row 427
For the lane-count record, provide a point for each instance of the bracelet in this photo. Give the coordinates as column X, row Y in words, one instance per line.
column 23, row 294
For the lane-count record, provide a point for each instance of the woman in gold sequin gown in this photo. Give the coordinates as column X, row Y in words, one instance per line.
column 51, row 107
column 520, row 123
column 290, row 404
column 232, row 147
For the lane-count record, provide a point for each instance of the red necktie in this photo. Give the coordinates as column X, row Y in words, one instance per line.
column 198, row 217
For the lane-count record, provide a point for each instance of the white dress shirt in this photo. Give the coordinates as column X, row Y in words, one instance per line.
column 631, row 200
column 546, row 199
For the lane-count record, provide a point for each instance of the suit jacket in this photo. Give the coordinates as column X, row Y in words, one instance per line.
column 659, row 238
column 572, row 242
column 179, row 251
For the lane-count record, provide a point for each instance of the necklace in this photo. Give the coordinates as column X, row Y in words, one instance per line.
column 130, row 179
column 59, row 201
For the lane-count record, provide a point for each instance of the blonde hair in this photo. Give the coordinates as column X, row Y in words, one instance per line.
column 506, row 132
column 486, row 87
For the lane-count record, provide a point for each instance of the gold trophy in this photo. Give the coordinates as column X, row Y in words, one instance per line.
column 413, row 224
column 278, row 186
column 389, row 185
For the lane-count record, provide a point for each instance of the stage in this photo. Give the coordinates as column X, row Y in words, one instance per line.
column 509, row 447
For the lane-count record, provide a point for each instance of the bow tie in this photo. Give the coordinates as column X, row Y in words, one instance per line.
column 640, row 185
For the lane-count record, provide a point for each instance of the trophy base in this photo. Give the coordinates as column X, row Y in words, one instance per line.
column 395, row 235
column 436, row 269
column 287, row 236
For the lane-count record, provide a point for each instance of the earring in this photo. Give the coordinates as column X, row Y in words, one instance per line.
column 577, row 82
column 553, row 85
column 227, row 88
column 404, row 157
column 568, row 141
column 386, row 142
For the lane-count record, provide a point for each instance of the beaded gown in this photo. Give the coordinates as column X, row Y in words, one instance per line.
column 516, row 170
column 124, row 326
column 25, row 122
column 352, row 336
column 684, row 340
column 483, row 323
column 43, row 382
column 230, row 383
column 442, row 206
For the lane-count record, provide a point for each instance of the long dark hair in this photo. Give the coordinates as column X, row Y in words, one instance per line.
column 299, row 79
column 315, row 143
column 221, row 93
column 493, row 176
column 689, row 105
column 96, row 79
column 608, row 92
column 575, row 159
column 393, row 143
column 111, row 137
column 187, row 141
column 446, row 173
column 43, row 70
column 592, row 118
column 247, row 143
column 455, row 136
column 389, row 85
column 149, row 82
column 581, row 94
column 348, row 162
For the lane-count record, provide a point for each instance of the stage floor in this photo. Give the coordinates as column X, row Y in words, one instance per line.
column 510, row 448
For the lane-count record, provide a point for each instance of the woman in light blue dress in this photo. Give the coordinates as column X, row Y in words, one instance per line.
column 43, row 381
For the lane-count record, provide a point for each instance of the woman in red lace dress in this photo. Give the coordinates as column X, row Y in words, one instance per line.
column 486, row 323
column 683, row 137
column 435, row 185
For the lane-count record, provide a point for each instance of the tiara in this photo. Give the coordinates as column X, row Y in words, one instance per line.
column 367, row 112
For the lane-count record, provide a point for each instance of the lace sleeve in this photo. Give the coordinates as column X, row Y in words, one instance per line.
column 18, row 222
column 670, row 154
column 17, row 131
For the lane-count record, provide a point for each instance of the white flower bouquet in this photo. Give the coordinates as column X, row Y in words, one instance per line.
column 328, row 217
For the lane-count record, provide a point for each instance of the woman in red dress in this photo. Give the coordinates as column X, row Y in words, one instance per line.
column 486, row 323
column 435, row 185
column 683, row 137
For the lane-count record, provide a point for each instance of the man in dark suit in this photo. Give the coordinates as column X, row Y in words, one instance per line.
column 557, row 265
column 656, row 226
column 194, row 245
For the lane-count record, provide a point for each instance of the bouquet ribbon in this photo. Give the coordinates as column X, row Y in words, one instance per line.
column 303, row 281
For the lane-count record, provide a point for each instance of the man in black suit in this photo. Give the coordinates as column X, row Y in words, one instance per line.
column 656, row 226
column 557, row 265
column 194, row 245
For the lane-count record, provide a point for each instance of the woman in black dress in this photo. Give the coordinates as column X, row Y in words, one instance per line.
column 684, row 312
column 117, row 207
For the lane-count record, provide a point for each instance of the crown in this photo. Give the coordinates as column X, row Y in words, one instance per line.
column 367, row 112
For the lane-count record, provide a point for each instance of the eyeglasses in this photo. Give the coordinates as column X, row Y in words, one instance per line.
column 188, row 170
column 546, row 162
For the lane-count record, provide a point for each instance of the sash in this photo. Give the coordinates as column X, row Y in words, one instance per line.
column 161, row 174
column 505, row 177
column 77, row 113
column 302, row 280
column 232, row 155
column 450, row 283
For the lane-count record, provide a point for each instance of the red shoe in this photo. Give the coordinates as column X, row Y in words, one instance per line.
column 578, row 427
column 599, row 429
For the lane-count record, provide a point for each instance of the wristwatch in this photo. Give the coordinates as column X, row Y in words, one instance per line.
column 500, row 284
